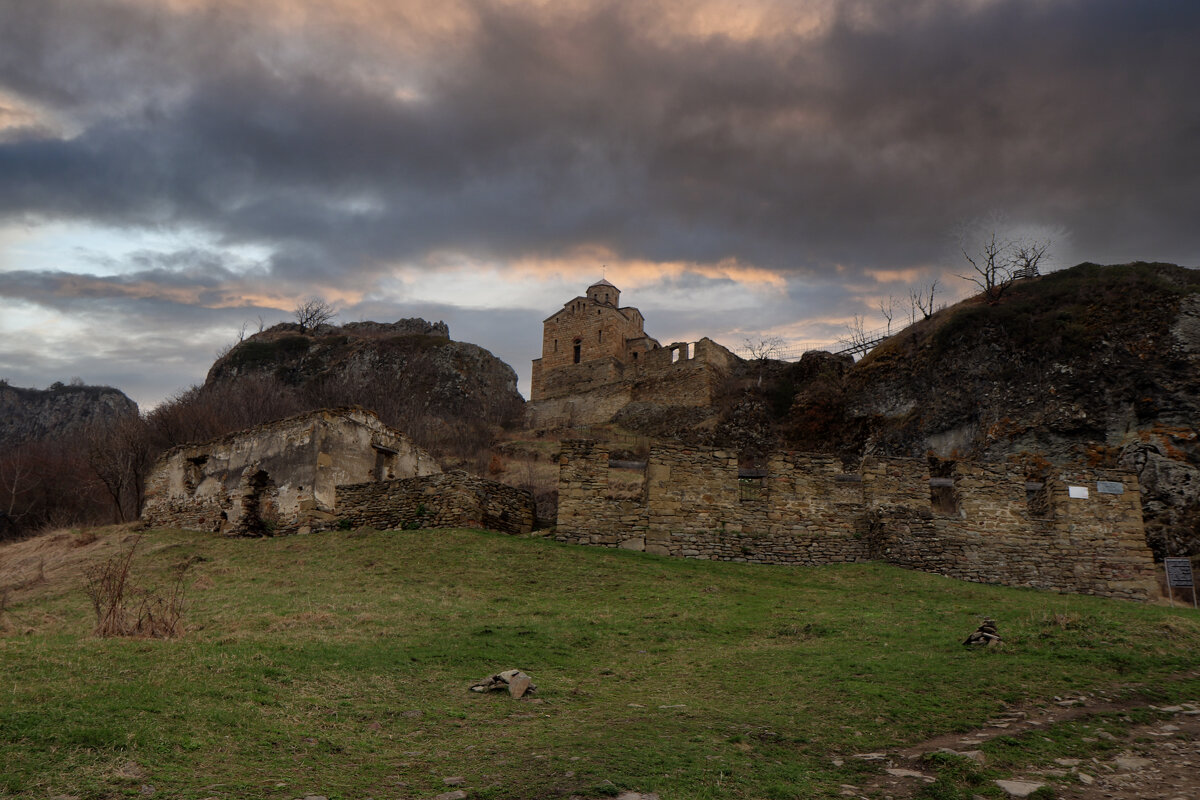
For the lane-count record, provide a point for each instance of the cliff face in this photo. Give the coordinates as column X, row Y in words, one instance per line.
column 409, row 372
column 57, row 412
column 1094, row 365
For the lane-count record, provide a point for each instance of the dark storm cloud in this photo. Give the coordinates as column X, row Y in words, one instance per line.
column 529, row 132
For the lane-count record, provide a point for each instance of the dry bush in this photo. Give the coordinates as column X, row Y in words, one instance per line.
column 123, row 609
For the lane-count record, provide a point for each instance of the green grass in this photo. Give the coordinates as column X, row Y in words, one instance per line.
column 338, row 664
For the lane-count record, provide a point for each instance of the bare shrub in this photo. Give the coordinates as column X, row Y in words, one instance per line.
column 47, row 484
column 123, row 609
column 313, row 313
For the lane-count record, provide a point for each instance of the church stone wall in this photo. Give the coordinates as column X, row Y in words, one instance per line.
column 982, row 523
column 596, row 359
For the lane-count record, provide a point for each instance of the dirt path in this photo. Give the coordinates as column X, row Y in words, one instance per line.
column 1155, row 761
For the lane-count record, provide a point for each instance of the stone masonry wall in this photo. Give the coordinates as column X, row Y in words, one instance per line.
column 680, row 374
column 279, row 477
column 449, row 500
column 983, row 526
column 1092, row 545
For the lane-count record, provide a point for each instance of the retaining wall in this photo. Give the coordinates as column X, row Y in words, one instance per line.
column 981, row 523
column 448, row 500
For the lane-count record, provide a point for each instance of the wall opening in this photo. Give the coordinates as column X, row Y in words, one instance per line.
column 1037, row 499
column 258, row 514
column 752, row 477
column 626, row 479
column 194, row 473
column 691, row 350
column 674, row 355
column 578, row 347
column 943, row 499
column 386, row 460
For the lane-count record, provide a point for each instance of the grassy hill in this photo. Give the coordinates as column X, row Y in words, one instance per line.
column 339, row 665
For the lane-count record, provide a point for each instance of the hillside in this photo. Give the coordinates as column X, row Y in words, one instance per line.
column 61, row 411
column 448, row 395
column 1095, row 363
column 339, row 665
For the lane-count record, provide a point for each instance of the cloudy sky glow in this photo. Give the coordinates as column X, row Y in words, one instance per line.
column 171, row 169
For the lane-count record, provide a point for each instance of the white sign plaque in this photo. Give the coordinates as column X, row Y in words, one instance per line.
column 1078, row 492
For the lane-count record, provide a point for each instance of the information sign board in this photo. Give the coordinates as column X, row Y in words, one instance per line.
column 1078, row 492
column 1179, row 572
column 1110, row 487
column 1179, row 576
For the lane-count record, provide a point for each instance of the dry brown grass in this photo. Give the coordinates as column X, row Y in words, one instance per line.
column 52, row 564
column 45, row 562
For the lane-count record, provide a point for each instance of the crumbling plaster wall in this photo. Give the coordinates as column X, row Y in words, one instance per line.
column 807, row 510
column 274, row 477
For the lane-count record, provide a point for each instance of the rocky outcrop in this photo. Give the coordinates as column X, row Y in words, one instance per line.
column 60, row 411
column 409, row 372
column 1092, row 365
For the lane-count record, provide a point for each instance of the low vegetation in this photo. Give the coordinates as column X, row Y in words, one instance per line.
column 339, row 664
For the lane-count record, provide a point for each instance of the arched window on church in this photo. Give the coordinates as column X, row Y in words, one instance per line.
column 578, row 347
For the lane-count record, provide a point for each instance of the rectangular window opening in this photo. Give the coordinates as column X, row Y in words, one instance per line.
column 626, row 479
column 752, row 483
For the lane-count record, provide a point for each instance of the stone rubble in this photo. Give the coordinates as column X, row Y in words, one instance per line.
column 516, row 682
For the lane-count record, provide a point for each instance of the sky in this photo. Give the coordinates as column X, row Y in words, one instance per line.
column 173, row 172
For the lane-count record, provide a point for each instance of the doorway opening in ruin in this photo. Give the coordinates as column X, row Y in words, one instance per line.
column 386, row 460
column 258, row 511
column 194, row 473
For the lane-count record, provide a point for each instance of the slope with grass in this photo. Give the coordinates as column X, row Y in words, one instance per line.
column 338, row 664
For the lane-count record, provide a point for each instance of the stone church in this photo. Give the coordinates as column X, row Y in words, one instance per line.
column 597, row 359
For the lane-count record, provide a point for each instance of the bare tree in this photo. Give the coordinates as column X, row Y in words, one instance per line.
column 922, row 300
column 857, row 330
column 887, row 309
column 997, row 264
column 313, row 313
column 19, row 482
column 1027, row 256
column 119, row 455
column 763, row 350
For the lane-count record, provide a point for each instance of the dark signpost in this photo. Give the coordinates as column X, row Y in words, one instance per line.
column 1179, row 576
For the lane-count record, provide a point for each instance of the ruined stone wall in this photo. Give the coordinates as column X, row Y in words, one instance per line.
column 449, row 500
column 1004, row 532
column 274, row 478
column 981, row 524
column 681, row 374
